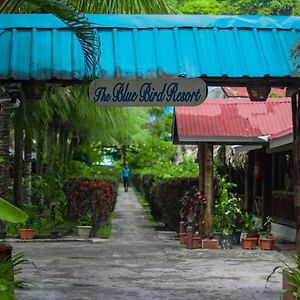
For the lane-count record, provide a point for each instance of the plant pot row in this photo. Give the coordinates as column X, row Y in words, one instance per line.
column 250, row 243
column 199, row 242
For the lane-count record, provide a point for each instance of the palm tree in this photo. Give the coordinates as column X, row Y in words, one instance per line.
column 76, row 21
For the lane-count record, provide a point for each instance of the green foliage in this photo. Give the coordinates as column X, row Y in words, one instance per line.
column 155, row 158
column 85, row 220
column 32, row 213
column 227, row 210
column 292, row 273
column 104, row 231
column 212, row 7
column 250, row 226
column 9, row 269
column 10, row 213
column 260, row 7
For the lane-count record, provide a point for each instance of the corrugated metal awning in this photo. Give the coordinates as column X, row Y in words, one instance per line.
column 223, row 50
column 233, row 121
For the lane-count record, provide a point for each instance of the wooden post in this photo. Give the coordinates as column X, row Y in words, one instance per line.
column 201, row 160
column 296, row 150
column 208, row 187
column 266, row 185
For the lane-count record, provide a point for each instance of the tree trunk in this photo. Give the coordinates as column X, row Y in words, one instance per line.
column 40, row 149
column 18, row 166
column 28, row 168
column 4, row 151
column 209, row 188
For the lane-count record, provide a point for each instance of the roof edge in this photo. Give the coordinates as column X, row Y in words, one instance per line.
column 154, row 21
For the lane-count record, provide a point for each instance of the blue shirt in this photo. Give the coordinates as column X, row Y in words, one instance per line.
column 125, row 172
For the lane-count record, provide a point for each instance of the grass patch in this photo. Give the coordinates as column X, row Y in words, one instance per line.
column 104, row 231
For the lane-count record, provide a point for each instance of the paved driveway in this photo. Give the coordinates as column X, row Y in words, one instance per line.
column 139, row 263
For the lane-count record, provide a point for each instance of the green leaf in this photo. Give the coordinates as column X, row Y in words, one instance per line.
column 11, row 213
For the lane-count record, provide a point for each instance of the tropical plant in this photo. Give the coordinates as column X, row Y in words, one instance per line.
column 292, row 273
column 267, row 225
column 8, row 270
column 249, row 225
column 76, row 21
column 227, row 208
column 85, row 220
column 10, row 213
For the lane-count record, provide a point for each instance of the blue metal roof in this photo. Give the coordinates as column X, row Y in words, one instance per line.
column 219, row 48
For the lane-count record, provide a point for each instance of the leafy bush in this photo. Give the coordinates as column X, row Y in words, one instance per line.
column 90, row 197
column 164, row 195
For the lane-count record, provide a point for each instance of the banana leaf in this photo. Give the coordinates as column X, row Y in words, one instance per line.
column 11, row 213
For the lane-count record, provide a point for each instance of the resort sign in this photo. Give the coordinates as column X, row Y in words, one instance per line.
column 148, row 92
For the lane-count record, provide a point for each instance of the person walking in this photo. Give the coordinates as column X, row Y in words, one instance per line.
column 126, row 173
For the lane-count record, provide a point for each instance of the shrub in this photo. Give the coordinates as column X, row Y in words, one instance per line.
column 163, row 196
column 92, row 197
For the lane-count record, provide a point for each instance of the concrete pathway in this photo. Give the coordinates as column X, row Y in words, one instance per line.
column 139, row 263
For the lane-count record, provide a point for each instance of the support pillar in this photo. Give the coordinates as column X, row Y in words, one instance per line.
column 208, row 187
column 296, row 153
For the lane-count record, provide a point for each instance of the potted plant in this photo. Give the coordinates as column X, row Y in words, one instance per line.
column 267, row 240
column 197, row 240
column 226, row 241
column 250, row 230
column 210, row 243
column 26, row 231
column 84, row 226
column 290, row 279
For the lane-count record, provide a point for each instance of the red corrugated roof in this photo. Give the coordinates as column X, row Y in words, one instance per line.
column 242, row 92
column 233, row 118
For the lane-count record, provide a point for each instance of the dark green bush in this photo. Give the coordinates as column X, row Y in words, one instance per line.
column 164, row 196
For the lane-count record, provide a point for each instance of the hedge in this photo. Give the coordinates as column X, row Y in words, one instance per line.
column 164, row 196
column 95, row 197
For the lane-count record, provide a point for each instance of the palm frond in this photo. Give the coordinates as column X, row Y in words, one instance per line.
column 77, row 22
column 124, row 7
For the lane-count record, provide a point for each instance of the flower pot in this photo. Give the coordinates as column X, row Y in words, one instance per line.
column 84, row 231
column 267, row 244
column 249, row 243
column 210, row 244
column 197, row 242
column 254, row 235
column 226, row 242
column 182, row 238
column 26, row 233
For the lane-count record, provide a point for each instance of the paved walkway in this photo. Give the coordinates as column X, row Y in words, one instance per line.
column 139, row 263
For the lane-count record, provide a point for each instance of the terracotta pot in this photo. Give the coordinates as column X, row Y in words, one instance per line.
column 254, row 235
column 26, row 234
column 267, row 244
column 249, row 243
column 197, row 242
column 210, row 244
column 182, row 238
